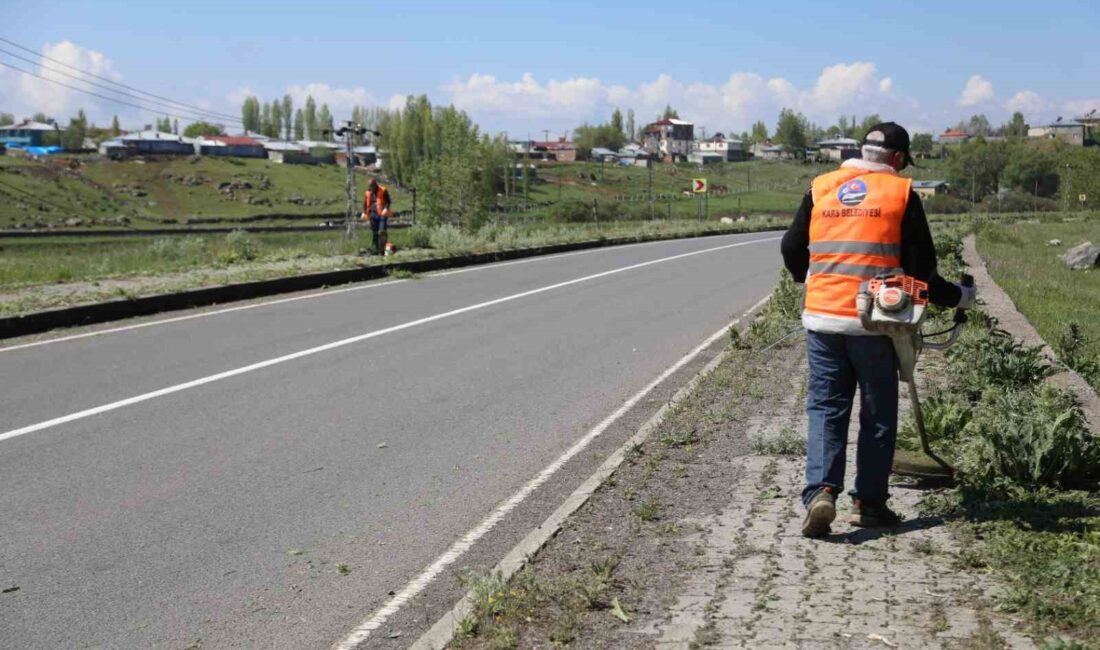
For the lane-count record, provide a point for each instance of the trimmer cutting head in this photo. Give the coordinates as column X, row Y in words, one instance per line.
column 916, row 465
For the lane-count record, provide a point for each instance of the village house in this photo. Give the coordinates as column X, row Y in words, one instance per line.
column 670, row 139
column 953, row 136
column 148, row 143
column 1069, row 132
column 229, row 145
column 289, row 153
column 717, row 149
column 837, row 149
column 25, row 134
column 766, row 150
column 928, row 189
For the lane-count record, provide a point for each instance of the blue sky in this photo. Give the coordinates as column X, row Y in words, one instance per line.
column 524, row 67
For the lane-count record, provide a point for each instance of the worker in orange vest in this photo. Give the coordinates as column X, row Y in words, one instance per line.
column 376, row 210
column 857, row 222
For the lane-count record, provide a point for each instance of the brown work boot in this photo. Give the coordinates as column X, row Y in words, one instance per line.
column 820, row 513
column 873, row 515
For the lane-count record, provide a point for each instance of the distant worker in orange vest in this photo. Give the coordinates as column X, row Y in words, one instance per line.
column 855, row 223
column 376, row 210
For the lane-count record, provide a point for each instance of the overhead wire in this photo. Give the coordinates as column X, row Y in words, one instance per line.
column 105, row 97
column 197, row 115
column 223, row 116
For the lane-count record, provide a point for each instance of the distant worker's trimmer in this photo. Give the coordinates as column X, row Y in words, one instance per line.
column 895, row 305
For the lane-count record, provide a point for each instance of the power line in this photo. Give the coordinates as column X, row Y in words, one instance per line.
column 110, row 99
column 113, row 82
column 210, row 116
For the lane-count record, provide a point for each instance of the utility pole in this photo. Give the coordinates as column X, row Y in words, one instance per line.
column 526, row 165
column 348, row 131
column 546, row 135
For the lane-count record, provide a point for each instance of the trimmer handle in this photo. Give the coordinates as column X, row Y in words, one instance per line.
column 966, row 280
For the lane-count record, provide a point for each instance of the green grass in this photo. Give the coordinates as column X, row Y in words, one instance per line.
column 1051, row 296
column 180, row 191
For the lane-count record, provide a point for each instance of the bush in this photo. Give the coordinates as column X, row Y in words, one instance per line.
column 944, row 204
column 177, row 248
column 571, row 212
column 782, row 313
column 995, row 359
column 1017, row 202
column 451, row 239
column 1073, row 350
column 420, row 236
column 242, row 246
column 1029, row 438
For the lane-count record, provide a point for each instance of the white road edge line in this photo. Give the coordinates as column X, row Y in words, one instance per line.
column 441, row 633
column 421, row 581
column 79, row 415
column 321, row 294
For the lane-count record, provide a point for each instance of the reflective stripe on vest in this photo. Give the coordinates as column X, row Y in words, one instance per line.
column 855, row 234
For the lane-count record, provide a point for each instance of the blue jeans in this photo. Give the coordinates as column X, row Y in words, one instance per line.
column 839, row 363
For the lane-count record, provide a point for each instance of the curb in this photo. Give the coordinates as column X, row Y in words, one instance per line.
column 1009, row 318
column 442, row 632
column 43, row 321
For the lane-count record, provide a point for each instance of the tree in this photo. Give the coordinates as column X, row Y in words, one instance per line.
column 265, row 120
column 1016, row 128
column 921, row 143
column 759, row 132
column 288, row 109
column 860, row 132
column 72, row 139
column 587, row 137
column 617, row 121
column 250, row 114
column 311, row 118
column 299, row 125
column 6, row 119
column 324, row 122
column 41, row 117
column 670, row 113
column 631, row 130
column 276, row 119
column 978, row 125
column 791, row 132
column 116, row 130
column 975, row 168
column 196, row 129
column 1032, row 171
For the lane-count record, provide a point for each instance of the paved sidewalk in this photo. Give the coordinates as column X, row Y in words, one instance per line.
column 760, row 584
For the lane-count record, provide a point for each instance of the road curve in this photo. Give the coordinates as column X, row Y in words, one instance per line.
column 268, row 476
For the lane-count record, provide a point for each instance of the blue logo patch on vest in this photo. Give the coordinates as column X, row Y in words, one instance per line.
column 852, row 193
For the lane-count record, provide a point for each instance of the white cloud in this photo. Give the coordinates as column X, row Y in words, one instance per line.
column 1080, row 107
column 237, row 96
column 977, row 90
column 340, row 100
column 25, row 95
column 732, row 104
column 1027, row 102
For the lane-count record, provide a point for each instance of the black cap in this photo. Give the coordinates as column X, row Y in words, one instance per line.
column 889, row 135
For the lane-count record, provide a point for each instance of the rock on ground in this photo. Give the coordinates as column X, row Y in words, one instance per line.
column 1084, row 256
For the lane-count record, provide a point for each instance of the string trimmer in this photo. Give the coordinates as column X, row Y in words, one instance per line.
column 895, row 305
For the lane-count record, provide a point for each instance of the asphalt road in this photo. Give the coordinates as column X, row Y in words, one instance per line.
column 267, row 500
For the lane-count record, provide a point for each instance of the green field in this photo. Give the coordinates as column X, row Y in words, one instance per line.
column 185, row 191
column 1050, row 295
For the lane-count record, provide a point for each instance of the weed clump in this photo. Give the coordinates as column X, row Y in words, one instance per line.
column 241, row 246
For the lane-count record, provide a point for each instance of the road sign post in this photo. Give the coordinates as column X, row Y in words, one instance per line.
column 699, row 187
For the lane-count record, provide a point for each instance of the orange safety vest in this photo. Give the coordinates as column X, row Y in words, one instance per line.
column 855, row 234
column 381, row 202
